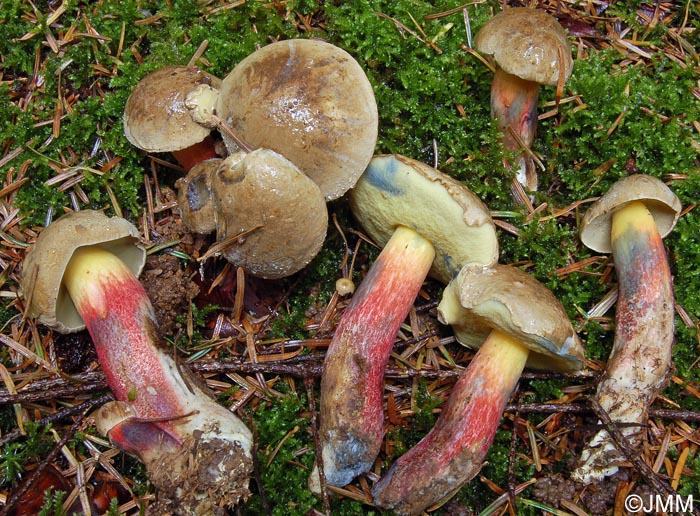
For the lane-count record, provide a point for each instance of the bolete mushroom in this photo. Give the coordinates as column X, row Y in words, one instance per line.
column 517, row 321
column 529, row 48
column 426, row 222
column 309, row 101
column 269, row 217
column 81, row 272
column 168, row 111
column 630, row 221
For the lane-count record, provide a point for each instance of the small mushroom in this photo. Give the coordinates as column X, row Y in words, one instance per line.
column 81, row 272
column 630, row 221
column 426, row 222
column 168, row 111
column 529, row 48
column 309, row 101
column 517, row 322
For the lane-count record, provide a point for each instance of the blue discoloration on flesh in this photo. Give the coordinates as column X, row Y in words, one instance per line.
column 381, row 174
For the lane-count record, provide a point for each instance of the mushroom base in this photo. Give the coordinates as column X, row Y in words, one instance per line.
column 453, row 451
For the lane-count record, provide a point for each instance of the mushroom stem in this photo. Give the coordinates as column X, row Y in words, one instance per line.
column 190, row 156
column 641, row 356
column 171, row 413
column 514, row 106
column 352, row 420
column 453, row 451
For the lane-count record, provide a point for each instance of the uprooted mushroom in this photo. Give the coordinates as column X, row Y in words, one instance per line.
column 82, row 272
column 516, row 322
column 427, row 223
column 630, row 221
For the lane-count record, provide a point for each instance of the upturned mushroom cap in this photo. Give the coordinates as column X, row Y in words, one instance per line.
column 503, row 297
column 194, row 197
column 281, row 211
column 158, row 116
column 46, row 262
column 396, row 190
column 528, row 43
column 309, row 101
column 658, row 198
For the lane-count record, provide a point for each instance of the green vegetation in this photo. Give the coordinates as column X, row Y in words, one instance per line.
column 64, row 82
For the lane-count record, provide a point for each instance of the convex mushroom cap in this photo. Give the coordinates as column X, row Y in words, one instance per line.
column 396, row 190
column 508, row 299
column 46, row 262
column 309, row 101
column 279, row 212
column 162, row 111
column 528, row 43
column 658, row 198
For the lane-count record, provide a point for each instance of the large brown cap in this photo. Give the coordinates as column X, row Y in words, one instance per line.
column 194, row 197
column 528, row 43
column 309, row 101
column 658, row 198
column 399, row 191
column 158, row 116
column 48, row 258
column 280, row 213
column 504, row 297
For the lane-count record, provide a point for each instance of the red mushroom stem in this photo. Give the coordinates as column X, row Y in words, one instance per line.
column 197, row 453
column 514, row 106
column 202, row 151
column 352, row 419
column 453, row 451
column 642, row 350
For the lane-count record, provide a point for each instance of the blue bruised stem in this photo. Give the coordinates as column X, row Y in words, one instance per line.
column 641, row 357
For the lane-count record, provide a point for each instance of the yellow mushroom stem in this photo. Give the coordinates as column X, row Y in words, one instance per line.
column 454, row 450
column 641, row 356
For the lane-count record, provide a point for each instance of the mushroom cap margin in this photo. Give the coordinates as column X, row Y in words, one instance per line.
column 395, row 190
column 47, row 259
column 659, row 199
column 526, row 42
column 510, row 300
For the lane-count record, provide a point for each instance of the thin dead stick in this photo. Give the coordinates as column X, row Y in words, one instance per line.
column 649, row 475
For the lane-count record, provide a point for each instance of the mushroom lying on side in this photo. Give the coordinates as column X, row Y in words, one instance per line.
column 168, row 110
column 269, row 217
column 427, row 222
column 529, row 48
column 630, row 221
column 517, row 322
column 309, row 101
column 81, row 272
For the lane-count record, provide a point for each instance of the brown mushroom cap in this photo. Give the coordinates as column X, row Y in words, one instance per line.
column 194, row 197
column 396, row 190
column 658, row 198
column 281, row 211
column 48, row 258
column 158, row 116
column 309, row 101
column 528, row 43
column 504, row 297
